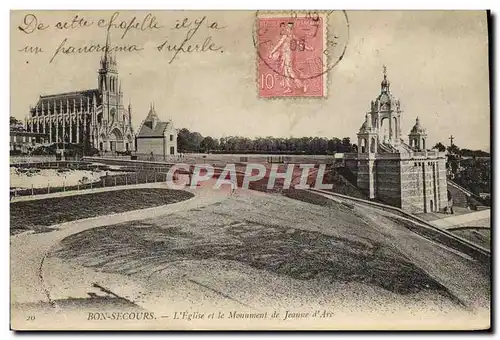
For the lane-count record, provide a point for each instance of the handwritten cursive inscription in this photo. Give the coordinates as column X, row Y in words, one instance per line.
column 200, row 35
column 90, row 48
column 185, row 46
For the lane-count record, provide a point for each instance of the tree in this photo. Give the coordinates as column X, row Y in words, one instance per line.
column 183, row 140
column 15, row 124
column 195, row 141
column 189, row 141
column 208, row 144
column 440, row 147
column 454, row 150
column 346, row 145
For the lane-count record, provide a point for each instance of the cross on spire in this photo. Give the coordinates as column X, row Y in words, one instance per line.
column 451, row 139
column 384, row 70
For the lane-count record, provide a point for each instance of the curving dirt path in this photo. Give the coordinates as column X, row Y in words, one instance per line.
column 28, row 251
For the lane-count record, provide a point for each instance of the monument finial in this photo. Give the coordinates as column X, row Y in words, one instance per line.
column 385, row 83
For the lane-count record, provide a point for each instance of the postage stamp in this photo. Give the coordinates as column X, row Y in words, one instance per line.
column 290, row 55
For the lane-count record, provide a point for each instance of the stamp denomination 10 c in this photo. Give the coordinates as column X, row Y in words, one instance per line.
column 293, row 51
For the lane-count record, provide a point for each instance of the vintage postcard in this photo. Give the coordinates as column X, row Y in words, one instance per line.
column 250, row 170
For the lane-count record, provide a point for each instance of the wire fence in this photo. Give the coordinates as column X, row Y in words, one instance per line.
column 129, row 178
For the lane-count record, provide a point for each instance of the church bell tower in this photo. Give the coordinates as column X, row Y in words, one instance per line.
column 109, row 85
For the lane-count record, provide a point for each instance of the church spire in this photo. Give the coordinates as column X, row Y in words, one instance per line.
column 108, row 73
column 105, row 58
column 108, row 60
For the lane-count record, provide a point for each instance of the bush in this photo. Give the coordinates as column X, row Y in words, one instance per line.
column 15, row 152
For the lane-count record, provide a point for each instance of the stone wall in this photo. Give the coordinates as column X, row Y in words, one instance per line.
column 148, row 145
column 169, row 144
column 415, row 183
column 423, row 185
column 388, row 178
column 364, row 173
column 352, row 164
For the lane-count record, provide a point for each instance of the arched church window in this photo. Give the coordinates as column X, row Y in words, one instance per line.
column 112, row 114
column 423, row 143
column 372, row 145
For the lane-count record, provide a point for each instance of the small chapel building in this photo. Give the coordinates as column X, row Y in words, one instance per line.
column 405, row 175
column 156, row 138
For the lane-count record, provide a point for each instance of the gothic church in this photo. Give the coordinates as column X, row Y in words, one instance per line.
column 95, row 118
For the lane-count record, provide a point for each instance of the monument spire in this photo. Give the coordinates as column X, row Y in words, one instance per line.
column 385, row 83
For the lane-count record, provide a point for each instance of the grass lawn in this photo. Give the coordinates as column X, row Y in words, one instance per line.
column 479, row 236
column 248, row 229
column 37, row 214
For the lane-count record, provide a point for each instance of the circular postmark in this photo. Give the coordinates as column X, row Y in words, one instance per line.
column 300, row 45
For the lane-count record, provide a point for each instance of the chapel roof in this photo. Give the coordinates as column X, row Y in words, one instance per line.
column 62, row 100
column 152, row 126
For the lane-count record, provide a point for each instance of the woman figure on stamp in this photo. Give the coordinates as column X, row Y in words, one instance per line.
column 283, row 50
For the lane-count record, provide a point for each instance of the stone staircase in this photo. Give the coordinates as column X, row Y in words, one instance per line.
column 463, row 197
column 344, row 182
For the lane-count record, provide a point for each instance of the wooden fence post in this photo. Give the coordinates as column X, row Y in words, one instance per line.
column 64, row 186
column 32, row 192
column 126, row 177
column 155, row 176
column 115, row 181
column 48, row 188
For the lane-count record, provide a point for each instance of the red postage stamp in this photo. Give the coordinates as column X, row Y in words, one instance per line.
column 291, row 58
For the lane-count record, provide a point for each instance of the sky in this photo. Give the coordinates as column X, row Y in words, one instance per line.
column 437, row 63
